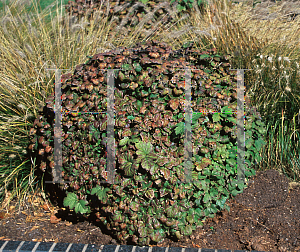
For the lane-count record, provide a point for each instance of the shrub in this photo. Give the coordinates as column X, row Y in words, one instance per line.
column 150, row 198
column 127, row 16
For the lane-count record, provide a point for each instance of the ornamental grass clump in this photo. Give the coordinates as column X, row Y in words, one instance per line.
column 278, row 100
column 149, row 198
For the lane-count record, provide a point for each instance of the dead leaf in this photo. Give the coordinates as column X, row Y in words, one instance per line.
column 45, row 207
column 33, row 228
column 29, row 218
column 2, row 215
column 37, row 240
column 51, row 240
column 68, row 223
column 38, row 214
column 54, row 219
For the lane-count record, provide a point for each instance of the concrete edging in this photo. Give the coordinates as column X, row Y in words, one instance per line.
column 27, row 246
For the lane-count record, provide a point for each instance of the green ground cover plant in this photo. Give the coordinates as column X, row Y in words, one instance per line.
column 29, row 44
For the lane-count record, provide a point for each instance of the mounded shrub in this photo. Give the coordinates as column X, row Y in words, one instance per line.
column 150, row 199
column 126, row 15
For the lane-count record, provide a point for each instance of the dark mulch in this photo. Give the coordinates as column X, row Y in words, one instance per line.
column 265, row 217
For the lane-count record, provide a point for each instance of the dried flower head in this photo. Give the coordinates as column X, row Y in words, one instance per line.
column 12, row 156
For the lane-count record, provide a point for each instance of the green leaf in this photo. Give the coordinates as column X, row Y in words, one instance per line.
column 258, row 158
column 198, row 202
column 139, row 104
column 207, row 172
column 248, row 162
column 143, row 148
column 231, row 161
column 227, row 208
column 180, row 8
column 129, row 168
column 259, row 143
column 157, row 235
column 231, row 119
column 224, row 109
column 249, row 154
column 100, row 192
column 261, row 130
column 259, row 123
column 206, row 198
column 204, row 56
column 92, row 128
column 180, row 116
column 224, row 115
column 149, row 193
column 145, row 93
column 134, row 206
column 96, row 135
column 153, row 95
column 179, row 130
column 144, row 1
column 207, row 213
column 198, row 212
column 232, row 155
column 213, row 208
column 190, row 219
column 187, row 44
column 216, row 117
column 195, row 117
column 221, row 202
column 142, row 231
column 241, row 185
column 250, row 172
column 137, row 66
column 249, row 143
column 80, row 207
column 147, row 164
column 126, row 67
column 124, row 141
column 170, row 212
column 187, row 230
column 130, row 117
column 234, row 192
column 71, row 200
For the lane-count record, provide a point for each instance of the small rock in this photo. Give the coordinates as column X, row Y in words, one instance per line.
column 113, row 241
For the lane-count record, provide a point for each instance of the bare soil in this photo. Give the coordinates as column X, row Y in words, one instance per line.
column 265, row 217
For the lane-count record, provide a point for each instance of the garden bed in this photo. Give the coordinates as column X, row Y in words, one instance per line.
column 265, row 217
